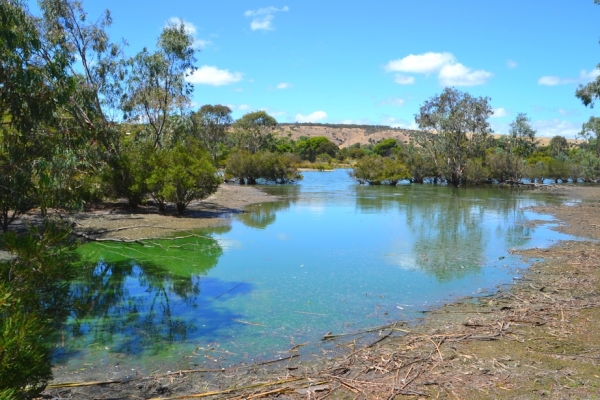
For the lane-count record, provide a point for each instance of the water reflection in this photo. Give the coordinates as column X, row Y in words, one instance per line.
column 262, row 215
column 139, row 298
column 448, row 226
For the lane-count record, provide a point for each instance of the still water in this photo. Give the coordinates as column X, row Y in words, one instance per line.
column 331, row 256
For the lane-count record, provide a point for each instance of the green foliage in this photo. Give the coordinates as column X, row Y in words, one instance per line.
column 129, row 172
column 385, row 147
column 455, row 130
column 419, row 162
column 181, row 174
column 254, row 131
column 279, row 168
column 558, row 146
column 504, row 166
column 244, row 166
column 313, row 146
column 521, row 136
column 248, row 168
column 356, row 152
column 558, row 170
column 376, row 170
column 590, row 165
column 34, row 299
column 156, row 85
column 210, row 124
column 476, row 173
column 590, row 132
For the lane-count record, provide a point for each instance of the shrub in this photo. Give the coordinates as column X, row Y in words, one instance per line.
column 182, row 174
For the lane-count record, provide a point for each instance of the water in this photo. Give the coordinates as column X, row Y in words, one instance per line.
column 333, row 256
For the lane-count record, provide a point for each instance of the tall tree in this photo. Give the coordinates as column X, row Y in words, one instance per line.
column 454, row 128
column 156, row 86
column 590, row 132
column 254, row 131
column 210, row 127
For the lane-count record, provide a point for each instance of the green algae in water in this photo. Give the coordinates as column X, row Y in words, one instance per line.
column 332, row 256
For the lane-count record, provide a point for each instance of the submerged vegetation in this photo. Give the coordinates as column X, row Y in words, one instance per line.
column 81, row 122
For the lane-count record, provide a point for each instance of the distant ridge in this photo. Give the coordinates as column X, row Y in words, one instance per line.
column 345, row 135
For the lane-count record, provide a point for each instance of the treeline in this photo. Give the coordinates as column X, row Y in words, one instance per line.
column 455, row 146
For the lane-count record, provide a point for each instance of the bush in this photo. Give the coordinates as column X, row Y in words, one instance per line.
column 476, row 173
column 248, row 168
column 376, row 170
column 182, row 174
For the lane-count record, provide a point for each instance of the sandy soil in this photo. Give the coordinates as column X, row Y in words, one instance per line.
column 117, row 221
column 539, row 338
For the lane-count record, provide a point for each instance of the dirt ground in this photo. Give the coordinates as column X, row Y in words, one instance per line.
column 539, row 338
column 117, row 221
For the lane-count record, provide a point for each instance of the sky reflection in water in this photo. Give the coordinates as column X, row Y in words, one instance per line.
column 332, row 256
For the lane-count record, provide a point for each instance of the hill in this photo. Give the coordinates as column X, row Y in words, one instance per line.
column 346, row 135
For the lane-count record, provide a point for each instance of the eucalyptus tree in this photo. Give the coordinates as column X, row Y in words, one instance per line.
column 97, row 63
column 35, row 88
column 157, row 93
column 254, row 131
column 520, row 144
column 210, row 124
column 558, row 146
column 454, row 129
column 590, row 132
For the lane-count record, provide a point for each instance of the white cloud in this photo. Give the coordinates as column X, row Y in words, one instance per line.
column 459, row 75
column 284, row 85
column 553, row 127
column 199, row 44
column 209, row 75
column 426, row 63
column 363, row 121
column 499, row 112
column 265, row 11
column 398, row 123
column 511, row 64
column 314, row 117
column 450, row 71
column 263, row 17
column 392, row 101
column 584, row 77
column 404, row 79
column 240, row 107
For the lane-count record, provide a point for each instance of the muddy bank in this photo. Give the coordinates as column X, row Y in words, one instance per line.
column 118, row 221
column 537, row 338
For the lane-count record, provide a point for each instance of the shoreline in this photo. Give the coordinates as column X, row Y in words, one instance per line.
column 119, row 222
column 535, row 339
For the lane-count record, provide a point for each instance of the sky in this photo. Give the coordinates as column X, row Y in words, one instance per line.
column 377, row 62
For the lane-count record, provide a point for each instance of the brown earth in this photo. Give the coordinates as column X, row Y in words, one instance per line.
column 347, row 135
column 538, row 339
column 119, row 222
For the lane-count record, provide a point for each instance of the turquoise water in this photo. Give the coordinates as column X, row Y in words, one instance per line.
column 332, row 256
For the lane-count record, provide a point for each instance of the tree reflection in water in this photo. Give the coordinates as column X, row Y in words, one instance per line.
column 447, row 224
column 138, row 298
column 260, row 216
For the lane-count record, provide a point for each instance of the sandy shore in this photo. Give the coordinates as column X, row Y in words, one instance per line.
column 539, row 338
column 117, row 221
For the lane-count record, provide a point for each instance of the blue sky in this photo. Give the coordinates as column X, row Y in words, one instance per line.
column 376, row 62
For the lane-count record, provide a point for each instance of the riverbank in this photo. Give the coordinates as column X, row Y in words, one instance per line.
column 535, row 339
column 120, row 222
